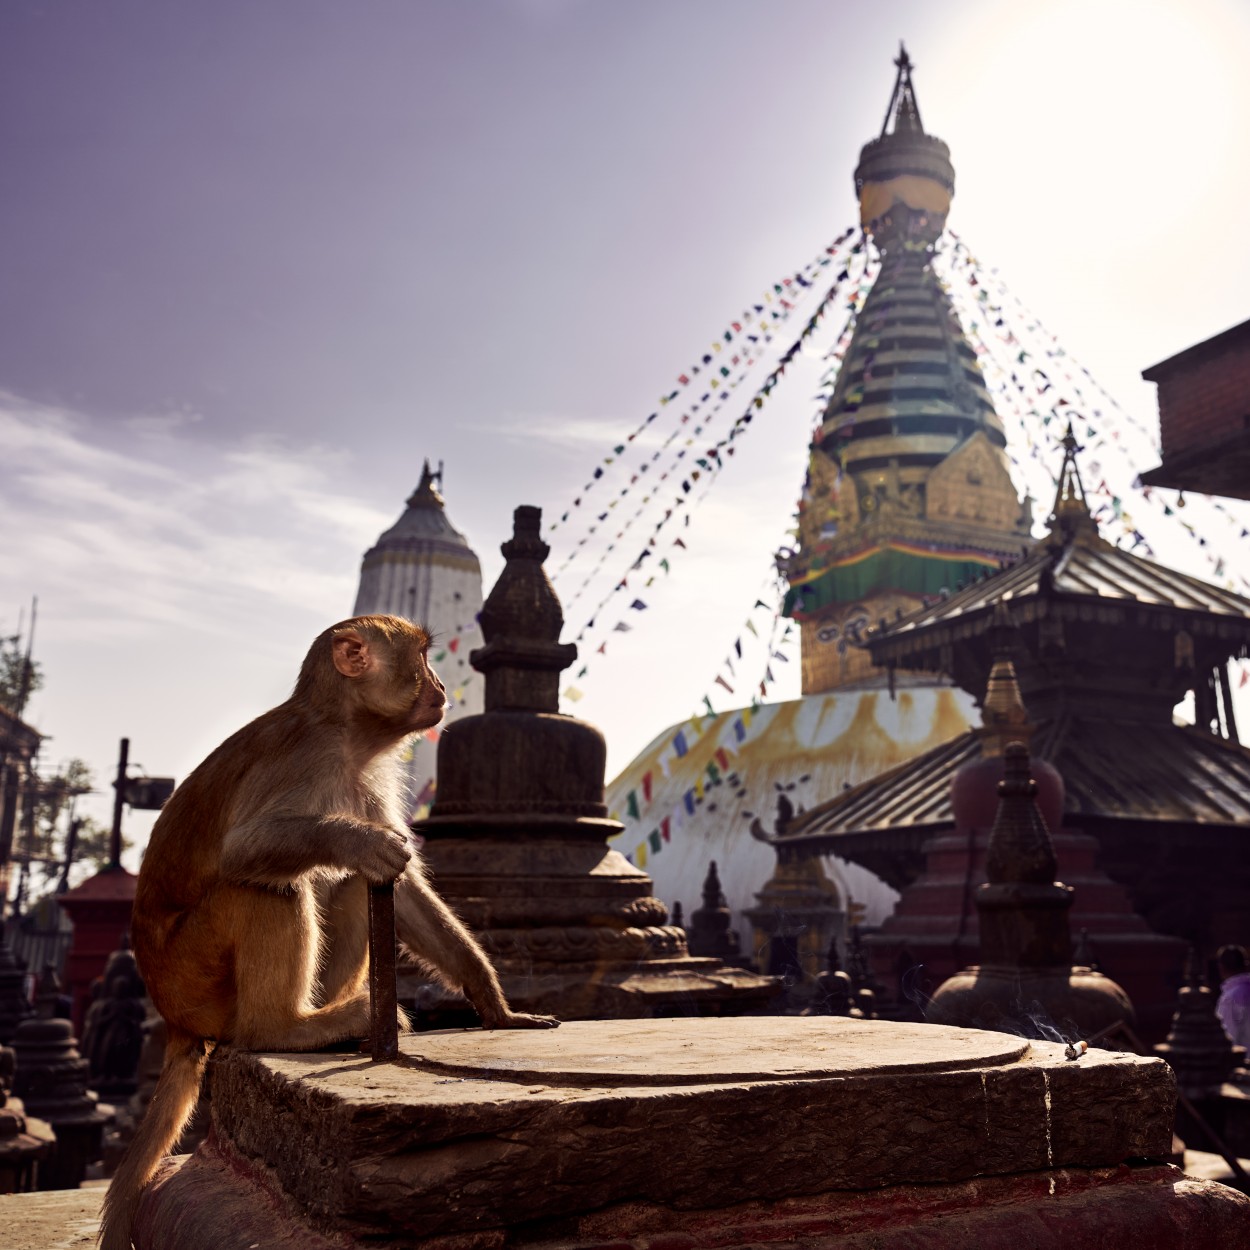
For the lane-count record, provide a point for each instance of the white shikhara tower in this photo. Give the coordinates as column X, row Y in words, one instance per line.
column 422, row 568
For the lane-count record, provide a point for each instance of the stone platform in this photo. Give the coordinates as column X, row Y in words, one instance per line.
column 692, row 1132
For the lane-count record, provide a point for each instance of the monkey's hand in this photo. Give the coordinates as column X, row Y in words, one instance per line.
column 509, row 1019
column 384, row 854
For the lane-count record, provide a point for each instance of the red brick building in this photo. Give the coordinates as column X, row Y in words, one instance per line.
column 1204, row 416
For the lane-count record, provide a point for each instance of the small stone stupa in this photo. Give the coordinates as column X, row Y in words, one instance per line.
column 1197, row 1048
column 516, row 839
column 51, row 1080
column 711, row 929
column 1026, row 982
column 14, row 1006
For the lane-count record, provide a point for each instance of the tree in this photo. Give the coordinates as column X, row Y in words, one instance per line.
column 51, row 831
column 19, row 677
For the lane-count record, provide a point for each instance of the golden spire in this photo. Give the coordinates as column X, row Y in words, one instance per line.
column 426, row 496
column 1070, row 517
column 902, row 106
column 1004, row 717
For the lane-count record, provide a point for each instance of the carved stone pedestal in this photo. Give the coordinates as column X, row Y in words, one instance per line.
column 516, row 840
column 708, row 1132
column 572, row 929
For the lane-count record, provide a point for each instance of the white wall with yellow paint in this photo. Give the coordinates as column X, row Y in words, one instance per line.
column 810, row 749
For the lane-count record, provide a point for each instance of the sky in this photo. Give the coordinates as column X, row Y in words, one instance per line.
column 260, row 258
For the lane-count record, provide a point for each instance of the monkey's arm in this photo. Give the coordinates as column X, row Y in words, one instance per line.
column 275, row 848
column 435, row 937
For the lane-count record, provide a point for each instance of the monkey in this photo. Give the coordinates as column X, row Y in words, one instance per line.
column 250, row 921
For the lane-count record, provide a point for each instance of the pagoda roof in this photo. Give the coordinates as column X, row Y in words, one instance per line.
column 1120, row 771
column 1072, row 573
column 1093, row 571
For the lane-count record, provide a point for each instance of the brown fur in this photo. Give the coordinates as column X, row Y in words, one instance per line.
column 250, row 919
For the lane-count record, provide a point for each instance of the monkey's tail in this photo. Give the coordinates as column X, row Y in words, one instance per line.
column 173, row 1101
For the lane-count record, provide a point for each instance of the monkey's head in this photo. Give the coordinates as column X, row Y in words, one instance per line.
column 376, row 667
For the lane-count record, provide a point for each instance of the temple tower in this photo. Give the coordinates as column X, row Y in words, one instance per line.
column 908, row 493
column 424, row 570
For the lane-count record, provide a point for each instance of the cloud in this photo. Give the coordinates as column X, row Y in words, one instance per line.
column 561, row 430
column 131, row 527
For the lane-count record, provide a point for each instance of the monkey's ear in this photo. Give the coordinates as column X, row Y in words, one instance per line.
column 352, row 655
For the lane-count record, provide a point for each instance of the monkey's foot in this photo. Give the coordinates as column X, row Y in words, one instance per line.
column 522, row 1020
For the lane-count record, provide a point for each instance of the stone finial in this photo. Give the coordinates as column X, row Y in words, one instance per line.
column 711, row 931
column 51, row 1080
column 14, row 1005
column 1020, row 849
column 20, row 1150
column 1026, row 978
column 51, row 1001
column 713, row 895
column 1197, row 1048
column 112, row 1036
column 521, row 622
column 1023, row 909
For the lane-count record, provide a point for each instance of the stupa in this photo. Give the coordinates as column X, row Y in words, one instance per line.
column 907, row 495
column 1025, row 981
column 424, row 570
column 908, row 492
column 516, row 837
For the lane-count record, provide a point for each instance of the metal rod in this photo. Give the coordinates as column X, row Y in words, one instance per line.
column 119, row 801
column 383, row 1004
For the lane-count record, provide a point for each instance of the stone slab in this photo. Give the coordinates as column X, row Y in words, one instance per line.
column 478, row 1130
column 714, row 1051
column 217, row 1202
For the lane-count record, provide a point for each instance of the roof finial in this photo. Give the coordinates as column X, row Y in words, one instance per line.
column 1070, row 515
column 425, row 496
column 902, row 107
